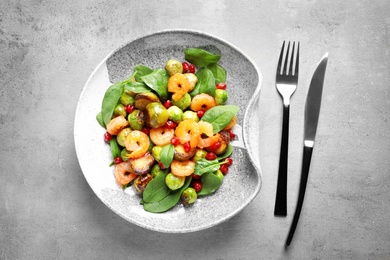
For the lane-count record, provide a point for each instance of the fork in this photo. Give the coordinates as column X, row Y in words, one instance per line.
column 286, row 84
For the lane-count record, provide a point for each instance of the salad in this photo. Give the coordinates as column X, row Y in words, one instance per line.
column 169, row 130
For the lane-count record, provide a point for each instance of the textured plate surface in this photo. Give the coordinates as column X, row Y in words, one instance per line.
column 243, row 181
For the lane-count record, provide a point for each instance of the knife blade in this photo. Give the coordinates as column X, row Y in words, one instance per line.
column 312, row 113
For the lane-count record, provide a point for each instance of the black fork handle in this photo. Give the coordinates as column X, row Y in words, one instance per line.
column 281, row 190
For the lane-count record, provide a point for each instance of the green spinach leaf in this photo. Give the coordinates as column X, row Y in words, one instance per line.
column 110, row 99
column 200, row 57
column 202, row 166
column 114, row 148
column 99, row 118
column 141, row 70
column 210, row 183
column 135, row 87
column 218, row 72
column 156, row 189
column 205, row 84
column 167, row 202
column 158, row 81
column 166, row 155
column 220, row 116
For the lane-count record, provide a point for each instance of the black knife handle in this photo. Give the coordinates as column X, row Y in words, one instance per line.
column 281, row 189
column 307, row 152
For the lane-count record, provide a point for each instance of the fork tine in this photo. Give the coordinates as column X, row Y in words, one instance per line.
column 291, row 60
column 297, row 62
column 280, row 60
column 286, row 59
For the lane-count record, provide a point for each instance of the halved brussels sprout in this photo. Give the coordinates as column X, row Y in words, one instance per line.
column 174, row 182
column 175, row 114
column 141, row 181
column 136, row 119
column 143, row 99
column 120, row 110
column 190, row 115
column 156, row 115
column 121, row 137
column 184, row 102
column 188, row 196
column 173, row 67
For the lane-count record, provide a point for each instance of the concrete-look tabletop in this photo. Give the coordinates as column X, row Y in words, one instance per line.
column 48, row 51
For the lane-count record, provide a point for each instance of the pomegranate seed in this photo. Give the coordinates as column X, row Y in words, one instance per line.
column 187, row 146
column 145, row 130
column 197, row 185
column 185, row 67
column 191, row 68
column 175, row 140
column 117, row 160
column 161, row 165
column 231, row 134
column 221, row 85
column 216, row 145
column 167, row 104
column 200, row 113
column 107, row 136
column 129, row 108
column 171, row 125
column 211, row 156
column 196, row 176
column 229, row 161
column 224, row 169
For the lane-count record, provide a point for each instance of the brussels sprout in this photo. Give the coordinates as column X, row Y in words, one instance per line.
column 121, row 137
column 184, row 102
column 156, row 151
column 192, row 79
column 181, row 154
column 156, row 171
column 190, row 115
column 174, row 182
column 219, row 174
column 126, row 99
column 188, row 196
column 199, row 154
column 143, row 164
column 124, row 155
column 120, row 110
column 141, row 181
column 175, row 114
column 173, row 67
column 143, row 99
column 136, row 119
column 156, row 115
column 221, row 96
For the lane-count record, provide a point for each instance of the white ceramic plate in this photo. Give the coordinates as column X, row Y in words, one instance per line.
column 240, row 185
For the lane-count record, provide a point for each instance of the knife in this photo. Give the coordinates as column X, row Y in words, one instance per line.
column 312, row 112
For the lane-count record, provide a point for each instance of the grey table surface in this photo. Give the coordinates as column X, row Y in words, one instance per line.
column 48, row 51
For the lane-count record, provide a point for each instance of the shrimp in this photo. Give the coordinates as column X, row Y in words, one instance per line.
column 116, row 125
column 182, row 168
column 179, row 85
column 162, row 135
column 206, row 129
column 137, row 142
column 188, row 130
column 124, row 173
column 202, row 101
